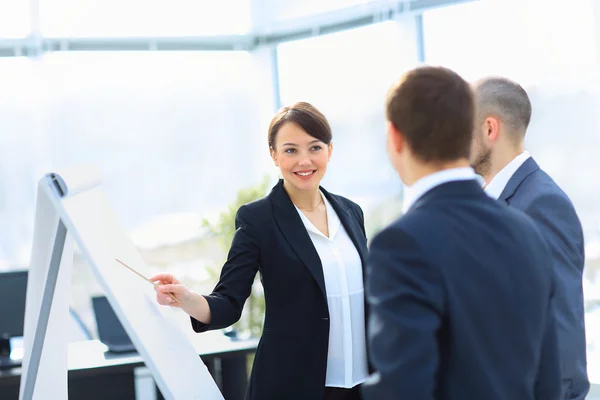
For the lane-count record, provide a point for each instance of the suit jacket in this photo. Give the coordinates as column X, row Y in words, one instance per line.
column 531, row 190
column 460, row 299
column 270, row 237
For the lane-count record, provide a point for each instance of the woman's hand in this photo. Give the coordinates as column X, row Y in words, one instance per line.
column 169, row 286
column 192, row 303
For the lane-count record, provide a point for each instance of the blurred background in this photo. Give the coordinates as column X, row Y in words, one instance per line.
column 172, row 100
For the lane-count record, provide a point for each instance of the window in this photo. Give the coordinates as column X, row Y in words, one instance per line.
column 20, row 97
column 461, row 37
column 346, row 75
column 155, row 121
column 277, row 11
column 175, row 135
column 108, row 18
column 14, row 18
column 550, row 50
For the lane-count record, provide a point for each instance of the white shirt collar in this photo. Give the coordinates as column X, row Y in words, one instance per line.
column 419, row 188
column 498, row 183
column 333, row 221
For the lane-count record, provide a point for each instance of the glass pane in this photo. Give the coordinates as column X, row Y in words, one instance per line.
column 99, row 18
column 175, row 135
column 274, row 10
column 14, row 18
column 481, row 50
column 460, row 37
column 19, row 98
column 346, row 75
column 552, row 52
column 163, row 118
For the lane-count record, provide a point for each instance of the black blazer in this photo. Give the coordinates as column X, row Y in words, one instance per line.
column 534, row 192
column 461, row 303
column 291, row 359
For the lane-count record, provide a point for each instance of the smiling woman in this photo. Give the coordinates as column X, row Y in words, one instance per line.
column 300, row 144
column 310, row 247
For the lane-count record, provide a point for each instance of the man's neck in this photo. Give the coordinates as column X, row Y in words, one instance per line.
column 421, row 170
column 499, row 162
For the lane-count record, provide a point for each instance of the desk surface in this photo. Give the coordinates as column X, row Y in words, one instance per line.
column 92, row 354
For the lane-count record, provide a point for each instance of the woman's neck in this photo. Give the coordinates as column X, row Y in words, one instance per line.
column 303, row 199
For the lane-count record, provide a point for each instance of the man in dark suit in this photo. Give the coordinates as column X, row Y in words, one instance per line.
column 503, row 111
column 459, row 288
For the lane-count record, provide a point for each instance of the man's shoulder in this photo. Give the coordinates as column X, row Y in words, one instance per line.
column 539, row 193
column 424, row 223
column 435, row 229
column 540, row 184
column 418, row 219
column 474, row 213
column 517, row 219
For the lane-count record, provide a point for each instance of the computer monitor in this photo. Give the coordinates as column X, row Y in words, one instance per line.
column 13, row 292
column 110, row 329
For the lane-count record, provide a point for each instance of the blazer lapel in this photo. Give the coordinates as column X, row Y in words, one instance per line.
column 351, row 225
column 295, row 233
column 526, row 169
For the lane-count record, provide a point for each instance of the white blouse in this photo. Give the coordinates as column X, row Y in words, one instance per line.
column 342, row 269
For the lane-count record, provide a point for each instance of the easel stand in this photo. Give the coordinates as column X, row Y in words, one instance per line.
column 71, row 208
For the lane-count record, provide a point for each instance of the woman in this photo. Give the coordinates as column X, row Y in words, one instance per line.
column 310, row 247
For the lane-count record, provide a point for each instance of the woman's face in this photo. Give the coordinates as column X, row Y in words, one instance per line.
column 301, row 158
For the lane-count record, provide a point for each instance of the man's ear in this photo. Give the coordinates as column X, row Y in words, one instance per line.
column 395, row 138
column 274, row 156
column 492, row 128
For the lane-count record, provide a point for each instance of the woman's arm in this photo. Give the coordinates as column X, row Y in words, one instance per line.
column 223, row 307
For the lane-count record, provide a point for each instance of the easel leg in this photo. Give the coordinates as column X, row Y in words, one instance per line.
column 46, row 306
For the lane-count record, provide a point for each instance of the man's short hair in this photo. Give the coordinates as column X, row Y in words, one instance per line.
column 504, row 99
column 433, row 108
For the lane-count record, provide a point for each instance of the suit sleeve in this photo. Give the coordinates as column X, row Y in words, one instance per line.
column 548, row 380
column 405, row 295
column 557, row 220
column 237, row 276
column 558, row 223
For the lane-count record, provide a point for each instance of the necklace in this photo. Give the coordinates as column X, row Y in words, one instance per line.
column 312, row 209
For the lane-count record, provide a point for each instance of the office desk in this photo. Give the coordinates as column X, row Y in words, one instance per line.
column 95, row 374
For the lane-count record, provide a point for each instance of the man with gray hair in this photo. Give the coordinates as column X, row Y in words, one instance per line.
column 503, row 112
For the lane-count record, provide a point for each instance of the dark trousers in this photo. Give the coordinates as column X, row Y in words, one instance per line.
column 335, row 393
